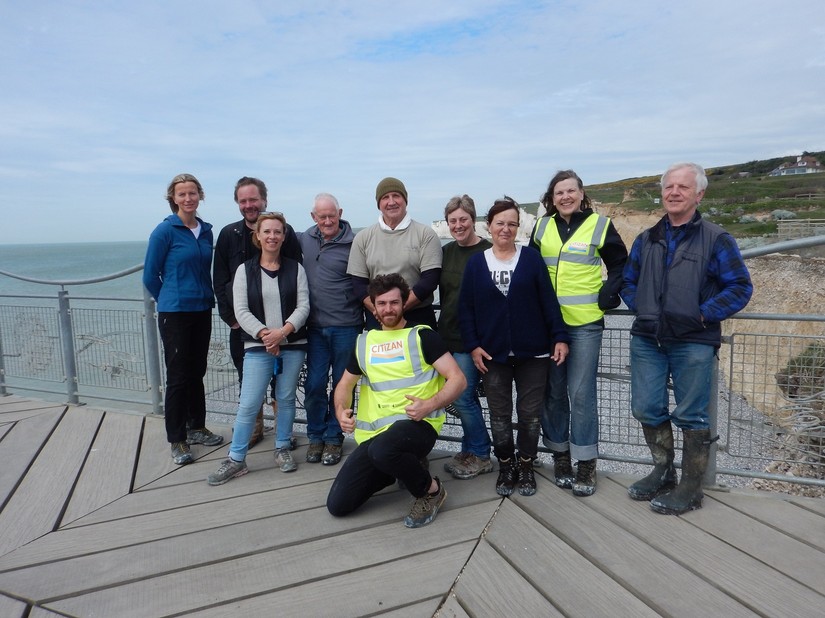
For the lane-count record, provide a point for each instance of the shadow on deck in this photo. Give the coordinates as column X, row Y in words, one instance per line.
column 97, row 521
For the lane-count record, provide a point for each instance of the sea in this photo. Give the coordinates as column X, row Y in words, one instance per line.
column 72, row 262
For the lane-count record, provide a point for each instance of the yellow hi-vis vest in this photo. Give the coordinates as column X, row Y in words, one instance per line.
column 393, row 365
column 575, row 266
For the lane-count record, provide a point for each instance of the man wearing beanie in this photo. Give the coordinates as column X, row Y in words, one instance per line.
column 397, row 244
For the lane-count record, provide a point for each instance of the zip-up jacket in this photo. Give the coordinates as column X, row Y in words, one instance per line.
column 176, row 268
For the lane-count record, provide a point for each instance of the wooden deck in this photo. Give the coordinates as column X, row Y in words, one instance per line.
column 97, row 521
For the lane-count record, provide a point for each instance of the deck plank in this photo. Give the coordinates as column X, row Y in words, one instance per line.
column 283, row 567
column 801, row 523
column 525, row 543
column 15, row 408
column 12, row 608
column 35, row 507
column 750, row 581
column 485, row 586
column 107, row 473
column 19, row 448
column 629, row 559
column 451, row 608
column 356, row 592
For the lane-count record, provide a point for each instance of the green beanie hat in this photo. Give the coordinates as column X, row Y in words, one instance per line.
column 389, row 185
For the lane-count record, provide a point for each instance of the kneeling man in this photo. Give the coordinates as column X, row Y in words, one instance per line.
column 407, row 378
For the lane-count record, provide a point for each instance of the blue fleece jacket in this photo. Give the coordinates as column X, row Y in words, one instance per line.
column 526, row 322
column 176, row 270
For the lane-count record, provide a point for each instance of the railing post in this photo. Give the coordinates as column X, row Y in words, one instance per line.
column 3, row 391
column 713, row 418
column 152, row 351
column 67, row 344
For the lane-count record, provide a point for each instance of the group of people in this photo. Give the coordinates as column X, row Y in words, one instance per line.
column 360, row 307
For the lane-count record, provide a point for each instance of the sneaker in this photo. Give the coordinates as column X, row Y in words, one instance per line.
column 283, row 459
column 526, row 477
column 181, row 454
column 293, row 444
column 563, row 470
column 425, row 509
column 457, row 459
column 585, row 482
column 332, row 454
column 229, row 470
column 471, row 467
column 314, row 452
column 203, row 436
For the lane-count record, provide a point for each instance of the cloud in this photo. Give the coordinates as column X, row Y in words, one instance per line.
column 104, row 103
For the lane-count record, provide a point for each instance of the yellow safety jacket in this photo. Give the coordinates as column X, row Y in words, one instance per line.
column 393, row 365
column 575, row 266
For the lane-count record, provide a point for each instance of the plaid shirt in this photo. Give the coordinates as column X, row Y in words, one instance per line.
column 725, row 266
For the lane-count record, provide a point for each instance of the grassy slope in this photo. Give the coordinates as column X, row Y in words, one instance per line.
column 728, row 197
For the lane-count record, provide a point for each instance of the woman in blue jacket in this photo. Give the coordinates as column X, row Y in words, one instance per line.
column 512, row 326
column 177, row 274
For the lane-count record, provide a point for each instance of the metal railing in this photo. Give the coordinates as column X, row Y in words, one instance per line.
column 769, row 412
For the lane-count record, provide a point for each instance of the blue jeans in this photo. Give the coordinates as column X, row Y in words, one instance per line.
column 689, row 364
column 570, row 419
column 258, row 365
column 475, row 440
column 329, row 347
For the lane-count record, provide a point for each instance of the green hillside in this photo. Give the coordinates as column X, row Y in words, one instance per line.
column 734, row 191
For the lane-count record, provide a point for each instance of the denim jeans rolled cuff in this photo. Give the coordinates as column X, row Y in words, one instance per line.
column 690, row 365
column 328, row 348
column 475, row 438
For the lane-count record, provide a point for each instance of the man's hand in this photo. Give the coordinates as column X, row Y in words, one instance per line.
column 346, row 420
column 418, row 409
column 479, row 356
column 560, row 352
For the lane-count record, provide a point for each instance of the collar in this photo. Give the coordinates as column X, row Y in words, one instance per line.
column 405, row 223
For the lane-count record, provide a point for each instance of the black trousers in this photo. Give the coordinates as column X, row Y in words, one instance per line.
column 376, row 463
column 185, row 336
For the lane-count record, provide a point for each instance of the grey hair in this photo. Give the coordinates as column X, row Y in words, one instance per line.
column 326, row 196
column 701, row 178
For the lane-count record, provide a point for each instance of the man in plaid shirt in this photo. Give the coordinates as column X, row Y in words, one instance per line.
column 683, row 277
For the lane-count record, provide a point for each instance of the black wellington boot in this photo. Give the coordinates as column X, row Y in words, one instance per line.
column 507, row 476
column 688, row 495
column 663, row 476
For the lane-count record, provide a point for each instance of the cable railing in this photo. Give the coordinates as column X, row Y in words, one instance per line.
column 769, row 410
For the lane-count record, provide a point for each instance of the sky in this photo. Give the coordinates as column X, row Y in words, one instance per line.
column 102, row 103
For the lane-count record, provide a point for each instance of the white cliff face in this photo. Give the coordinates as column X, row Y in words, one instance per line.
column 526, row 223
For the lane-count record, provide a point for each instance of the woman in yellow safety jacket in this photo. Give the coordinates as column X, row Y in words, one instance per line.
column 574, row 242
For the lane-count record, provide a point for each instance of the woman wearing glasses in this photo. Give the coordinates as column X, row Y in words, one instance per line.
column 271, row 302
column 512, row 326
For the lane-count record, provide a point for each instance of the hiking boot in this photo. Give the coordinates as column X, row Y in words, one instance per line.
column 585, row 481
column 563, row 470
column 425, row 509
column 526, row 477
column 293, row 444
column 507, row 477
column 332, row 454
column 181, row 454
column 203, row 436
column 229, row 470
column 455, row 460
column 314, row 452
column 284, row 460
column 258, row 431
column 471, row 467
